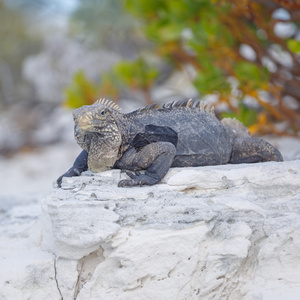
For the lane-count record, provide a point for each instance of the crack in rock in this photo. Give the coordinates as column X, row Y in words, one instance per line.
column 86, row 267
column 55, row 276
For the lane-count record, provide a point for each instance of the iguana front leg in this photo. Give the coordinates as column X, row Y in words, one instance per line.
column 79, row 166
column 155, row 158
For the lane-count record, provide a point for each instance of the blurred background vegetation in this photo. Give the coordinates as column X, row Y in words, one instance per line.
column 242, row 56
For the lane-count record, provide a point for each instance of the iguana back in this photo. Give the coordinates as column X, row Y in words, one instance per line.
column 200, row 133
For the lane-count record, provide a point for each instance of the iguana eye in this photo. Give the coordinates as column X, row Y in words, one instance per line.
column 102, row 113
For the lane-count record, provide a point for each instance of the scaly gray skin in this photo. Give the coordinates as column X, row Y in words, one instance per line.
column 192, row 136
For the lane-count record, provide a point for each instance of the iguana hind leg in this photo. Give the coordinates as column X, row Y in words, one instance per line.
column 155, row 158
column 251, row 150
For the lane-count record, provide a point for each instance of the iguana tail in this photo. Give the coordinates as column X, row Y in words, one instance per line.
column 248, row 149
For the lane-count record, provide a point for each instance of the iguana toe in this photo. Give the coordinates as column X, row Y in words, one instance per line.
column 137, row 180
column 133, row 175
column 70, row 173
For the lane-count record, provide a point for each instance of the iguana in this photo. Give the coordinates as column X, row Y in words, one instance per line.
column 178, row 134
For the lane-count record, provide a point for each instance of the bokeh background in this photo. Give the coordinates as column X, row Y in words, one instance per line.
column 55, row 55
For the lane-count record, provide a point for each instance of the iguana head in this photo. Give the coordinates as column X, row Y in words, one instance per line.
column 96, row 130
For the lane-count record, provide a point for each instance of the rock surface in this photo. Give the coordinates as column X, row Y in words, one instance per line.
column 221, row 232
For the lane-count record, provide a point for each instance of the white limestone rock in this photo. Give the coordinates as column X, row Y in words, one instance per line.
column 221, row 232
column 28, row 275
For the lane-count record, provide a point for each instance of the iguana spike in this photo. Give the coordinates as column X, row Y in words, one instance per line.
column 189, row 103
column 116, row 107
column 108, row 103
column 202, row 106
column 207, row 108
column 100, row 101
column 167, row 105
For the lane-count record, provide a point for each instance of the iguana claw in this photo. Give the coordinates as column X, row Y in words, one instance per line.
column 137, row 179
column 70, row 173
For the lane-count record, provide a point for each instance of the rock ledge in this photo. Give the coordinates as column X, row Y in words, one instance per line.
column 222, row 232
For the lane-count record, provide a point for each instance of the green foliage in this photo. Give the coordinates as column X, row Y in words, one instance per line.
column 82, row 91
column 294, row 45
column 208, row 36
column 136, row 74
column 251, row 75
column 211, row 80
column 246, row 115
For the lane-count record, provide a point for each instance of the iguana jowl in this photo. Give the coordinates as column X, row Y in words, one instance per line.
column 179, row 134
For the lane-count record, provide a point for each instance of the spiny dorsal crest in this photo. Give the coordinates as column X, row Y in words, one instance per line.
column 187, row 104
column 108, row 103
column 191, row 103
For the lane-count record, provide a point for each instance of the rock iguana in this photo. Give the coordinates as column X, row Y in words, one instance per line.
column 179, row 134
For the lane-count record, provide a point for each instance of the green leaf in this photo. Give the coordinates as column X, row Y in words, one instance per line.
column 249, row 73
column 81, row 91
column 136, row 74
column 246, row 115
column 294, row 45
column 247, row 70
column 170, row 32
column 211, row 80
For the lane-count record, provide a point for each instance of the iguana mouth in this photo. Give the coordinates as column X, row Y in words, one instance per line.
column 84, row 140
